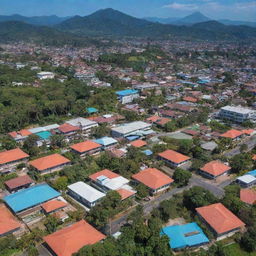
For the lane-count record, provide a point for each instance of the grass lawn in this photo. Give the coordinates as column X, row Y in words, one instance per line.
column 235, row 250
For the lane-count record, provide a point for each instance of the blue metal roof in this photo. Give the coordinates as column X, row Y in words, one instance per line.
column 91, row 110
column 106, row 141
column 127, row 92
column 30, row 197
column 187, row 235
column 147, row 152
column 45, row 135
column 253, row 173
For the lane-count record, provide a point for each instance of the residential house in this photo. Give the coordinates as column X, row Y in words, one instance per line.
column 214, row 169
column 86, row 148
column 16, row 184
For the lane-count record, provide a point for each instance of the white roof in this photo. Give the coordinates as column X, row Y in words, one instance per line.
column 87, row 192
column 131, row 127
column 51, row 127
column 115, row 183
column 80, row 121
column 247, row 178
column 43, row 73
column 238, row 109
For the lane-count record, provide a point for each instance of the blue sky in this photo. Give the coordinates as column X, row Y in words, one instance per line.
column 216, row 9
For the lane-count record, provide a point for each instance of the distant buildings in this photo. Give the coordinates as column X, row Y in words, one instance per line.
column 236, row 114
column 127, row 96
column 45, row 75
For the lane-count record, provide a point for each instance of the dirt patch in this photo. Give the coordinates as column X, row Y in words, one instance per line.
column 176, row 221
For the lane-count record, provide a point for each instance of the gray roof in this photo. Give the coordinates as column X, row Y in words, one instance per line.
column 80, row 121
column 247, row 179
column 238, row 109
column 209, row 145
column 131, row 127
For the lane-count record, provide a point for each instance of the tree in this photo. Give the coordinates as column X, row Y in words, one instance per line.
column 51, row 224
column 241, row 162
column 142, row 190
column 243, row 147
column 170, row 126
column 7, row 143
column 61, row 183
column 30, row 145
column 182, row 177
column 57, row 141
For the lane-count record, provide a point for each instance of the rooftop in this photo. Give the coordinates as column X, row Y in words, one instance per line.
column 152, row 178
column 12, row 155
column 18, row 182
column 247, row 178
column 138, row 143
column 48, row 162
column 131, row 127
column 239, row 110
column 107, row 173
column 248, row 196
column 105, row 141
column 30, row 197
column 127, row 92
column 85, row 146
column 219, row 218
column 232, row 134
column 215, row 168
column 174, row 156
column 80, row 121
column 53, row 205
column 66, row 128
column 70, row 240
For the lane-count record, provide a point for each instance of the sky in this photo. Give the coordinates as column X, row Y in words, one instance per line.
column 215, row 9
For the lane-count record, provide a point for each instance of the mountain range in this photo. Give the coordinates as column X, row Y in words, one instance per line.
column 109, row 23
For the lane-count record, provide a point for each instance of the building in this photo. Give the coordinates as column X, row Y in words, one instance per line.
column 107, row 142
column 232, row 134
column 132, row 131
column 185, row 236
column 50, row 164
column 21, row 135
column 45, row 75
column 71, row 239
column 86, row 148
column 16, row 184
column 30, row 197
column 85, row 194
column 246, row 181
column 11, row 158
column 68, row 130
column 84, row 124
column 214, row 169
column 107, row 180
column 8, row 223
column 248, row 196
column 173, row 158
column 221, row 221
column 53, row 206
column 138, row 143
column 236, row 114
column 127, row 96
column 154, row 179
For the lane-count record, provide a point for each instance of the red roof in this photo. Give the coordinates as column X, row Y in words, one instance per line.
column 8, row 222
column 152, row 178
column 71, row 239
column 174, row 156
column 12, row 155
column 85, row 146
column 232, row 134
column 50, row 161
column 219, row 218
column 22, row 133
column 248, row 131
column 66, row 128
column 248, row 196
column 138, row 143
column 107, row 173
column 163, row 121
column 18, row 182
column 215, row 168
column 53, row 205
column 124, row 193
column 153, row 119
column 190, row 99
column 254, row 157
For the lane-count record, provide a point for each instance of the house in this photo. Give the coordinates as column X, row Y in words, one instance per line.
column 246, row 181
column 248, row 196
column 50, row 164
column 45, row 75
column 21, row 135
column 132, row 131
column 84, row 124
column 107, row 142
column 190, row 99
column 8, row 223
column 214, row 169
column 185, row 236
column 138, row 143
column 236, row 114
column 232, row 134
column 154, row 179
column 85, row 194
column 86, row 148
column 30, row 197
column 11, row 158
column 173, row 158
column 71, row 239
column 68, row 130
column 16, row 184
column 127, row 96
column 53, row 206
column 221, row 221
column 107, row 180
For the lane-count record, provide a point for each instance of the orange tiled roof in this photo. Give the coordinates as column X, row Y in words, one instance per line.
column 153, row 118
column 124, row 193
column 248, row 131
column 50, row 161
column 85, row 146
column 65, row 128
column 8, row 222
column 174, row 156
column 22, row 133
column 18, row 182
column 215, row 168
column 53, row 205
column 248, row 196
column 71, row 239
column 107, row 173
column 232, row 134
column 190, row 99
column 254, row 157
column 12, row 155
column 138, row 143
column 152, row 178
column 219, row 218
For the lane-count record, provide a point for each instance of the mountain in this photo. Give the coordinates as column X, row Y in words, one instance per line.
column 170, row 20
column 11, row 31
column 196, row 17
column 109, row 22
column 238, row 23
column 36, row 20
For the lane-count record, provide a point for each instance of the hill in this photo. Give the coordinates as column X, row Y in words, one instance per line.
column 196, row 17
